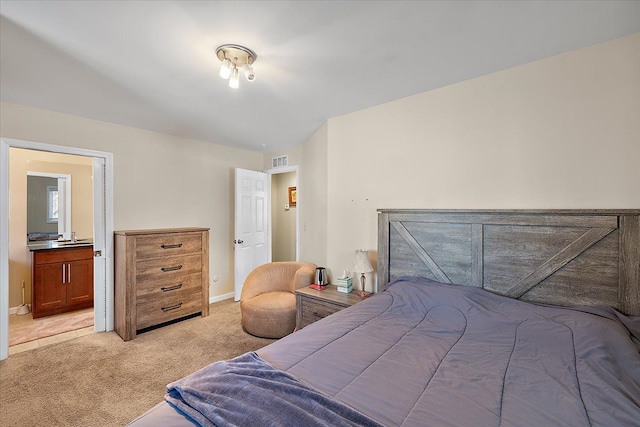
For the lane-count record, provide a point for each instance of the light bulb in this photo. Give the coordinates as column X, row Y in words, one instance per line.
column 234, row 80
column 225, row 69
column 248, row 72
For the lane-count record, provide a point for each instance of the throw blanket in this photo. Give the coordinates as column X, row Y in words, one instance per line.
column 248, row 391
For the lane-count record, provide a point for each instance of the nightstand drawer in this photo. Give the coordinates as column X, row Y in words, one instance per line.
column 314, row 310
column 313, row 305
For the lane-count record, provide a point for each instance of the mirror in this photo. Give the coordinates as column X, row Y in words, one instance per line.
column 48, row 206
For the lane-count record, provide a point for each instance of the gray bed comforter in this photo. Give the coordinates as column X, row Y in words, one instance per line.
column 421, row 353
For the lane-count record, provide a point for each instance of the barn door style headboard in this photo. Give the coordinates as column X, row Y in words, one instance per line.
column 559, row 257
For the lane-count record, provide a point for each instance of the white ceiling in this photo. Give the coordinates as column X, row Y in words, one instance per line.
column 152, row 65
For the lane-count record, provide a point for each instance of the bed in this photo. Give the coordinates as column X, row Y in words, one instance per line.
column 481, row 318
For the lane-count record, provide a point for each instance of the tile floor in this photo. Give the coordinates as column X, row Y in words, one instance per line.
column 16, row 321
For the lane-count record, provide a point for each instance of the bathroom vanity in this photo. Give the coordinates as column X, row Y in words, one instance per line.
column 62, row 278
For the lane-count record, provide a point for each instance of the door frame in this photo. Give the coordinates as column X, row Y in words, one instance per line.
column 103, row 293
column 299, row 204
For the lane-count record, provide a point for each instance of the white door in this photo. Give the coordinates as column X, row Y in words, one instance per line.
column 251, row 224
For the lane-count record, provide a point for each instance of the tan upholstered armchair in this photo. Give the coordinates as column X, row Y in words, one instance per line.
column 268, row 300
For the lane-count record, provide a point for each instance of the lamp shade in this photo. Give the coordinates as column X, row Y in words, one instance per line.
column 234, row 80
column 225, row 69
column 362, row 263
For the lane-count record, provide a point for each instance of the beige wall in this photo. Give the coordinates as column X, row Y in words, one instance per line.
column 311, row 159
column 283, row 221
column 562, row 132
column 21, row 161
column 313, row 198
column 159, row 180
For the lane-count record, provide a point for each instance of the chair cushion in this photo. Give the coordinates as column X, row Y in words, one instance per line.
column 269, row 315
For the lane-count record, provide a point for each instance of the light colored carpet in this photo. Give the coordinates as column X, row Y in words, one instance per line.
column 48, row 326
column 100, row 380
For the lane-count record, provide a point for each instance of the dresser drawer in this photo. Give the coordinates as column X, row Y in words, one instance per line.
column 168, row 286
column 156, row 309
column 163, row 245
column 314, row 310
column 168, row 268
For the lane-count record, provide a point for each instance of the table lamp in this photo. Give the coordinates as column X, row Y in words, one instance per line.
column 362, row 265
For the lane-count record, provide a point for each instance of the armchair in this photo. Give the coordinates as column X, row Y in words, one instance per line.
column 268, row 300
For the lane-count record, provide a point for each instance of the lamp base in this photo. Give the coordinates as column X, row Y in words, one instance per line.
column 362, row 293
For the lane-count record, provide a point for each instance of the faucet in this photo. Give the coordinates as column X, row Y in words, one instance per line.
column 73, row 236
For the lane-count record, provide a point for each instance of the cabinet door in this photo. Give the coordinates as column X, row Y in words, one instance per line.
column 80, row 282
column 49, row 290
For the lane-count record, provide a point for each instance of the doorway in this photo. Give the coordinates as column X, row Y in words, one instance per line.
column 102, row 171
column 287, row 233
column 284, row 209
column 51, row 201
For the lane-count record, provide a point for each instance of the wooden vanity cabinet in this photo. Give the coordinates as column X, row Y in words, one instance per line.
column 62, row 280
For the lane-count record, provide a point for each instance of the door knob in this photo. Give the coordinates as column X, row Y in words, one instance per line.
column 240, row 241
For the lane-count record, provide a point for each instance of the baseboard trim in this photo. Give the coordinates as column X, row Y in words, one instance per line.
column 14, row 310
column 219, row 298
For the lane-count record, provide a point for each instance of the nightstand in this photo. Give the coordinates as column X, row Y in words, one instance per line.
column 313, row 305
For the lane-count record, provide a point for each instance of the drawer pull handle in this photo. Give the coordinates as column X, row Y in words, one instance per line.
column 316, row 314
column 165, row 269
column 172, row 307
column 171, row 288
column 177, row 245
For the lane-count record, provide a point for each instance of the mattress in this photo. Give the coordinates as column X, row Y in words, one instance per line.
column 424, row 353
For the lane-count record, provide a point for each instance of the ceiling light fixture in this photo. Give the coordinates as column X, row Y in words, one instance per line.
column 233, row 58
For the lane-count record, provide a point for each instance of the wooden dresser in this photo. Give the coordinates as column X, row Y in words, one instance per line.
column 160, row 276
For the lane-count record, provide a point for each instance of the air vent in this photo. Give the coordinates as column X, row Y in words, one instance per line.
column 278, row 162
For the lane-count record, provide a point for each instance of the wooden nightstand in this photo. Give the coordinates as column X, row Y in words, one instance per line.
column 313, row 305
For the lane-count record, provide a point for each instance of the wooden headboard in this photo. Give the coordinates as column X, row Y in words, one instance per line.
column 559, row 257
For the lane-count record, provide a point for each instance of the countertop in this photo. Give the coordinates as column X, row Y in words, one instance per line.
column 45, row 245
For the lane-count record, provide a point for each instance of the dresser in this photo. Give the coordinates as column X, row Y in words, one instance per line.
column 313, row 305
column 160, row 276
